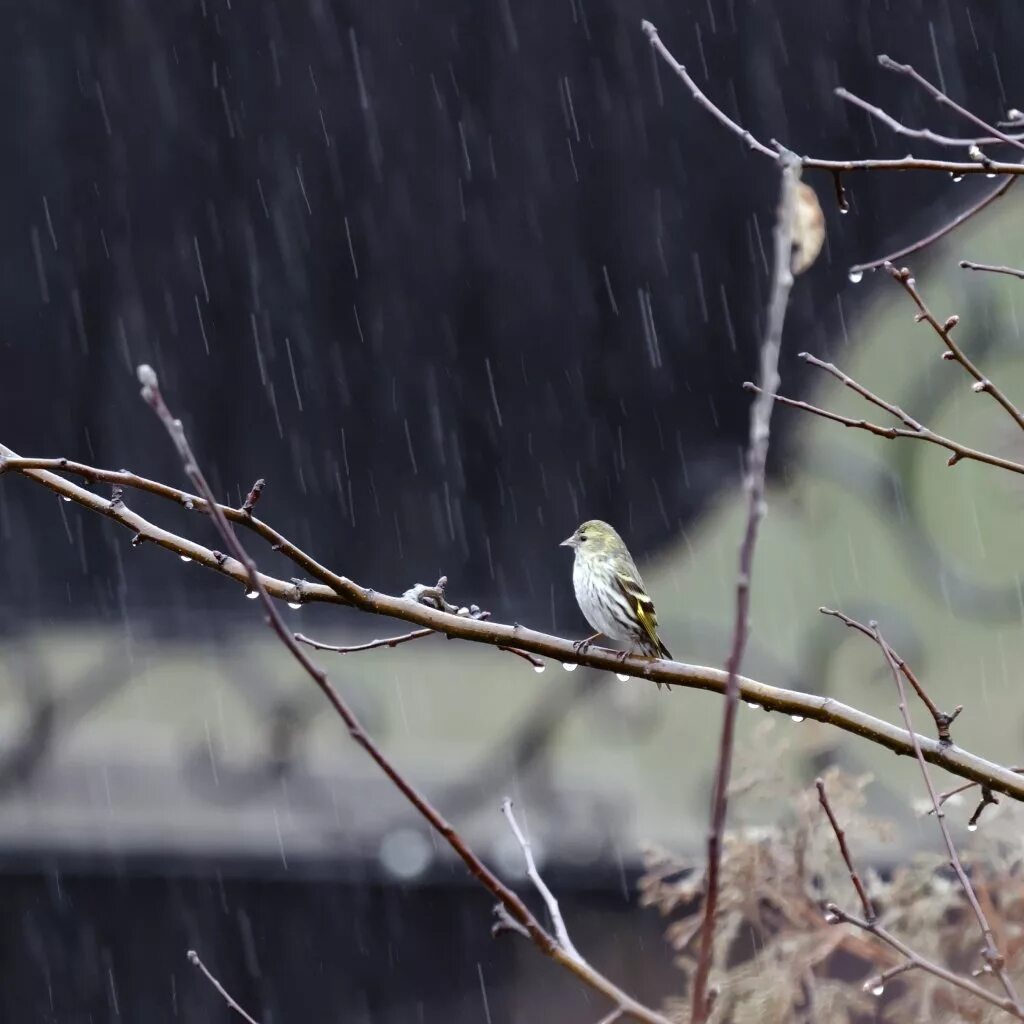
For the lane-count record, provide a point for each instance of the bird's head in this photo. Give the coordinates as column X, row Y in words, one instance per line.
column 594, row 539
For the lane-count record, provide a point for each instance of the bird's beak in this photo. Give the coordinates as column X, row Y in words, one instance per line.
column 569, row 542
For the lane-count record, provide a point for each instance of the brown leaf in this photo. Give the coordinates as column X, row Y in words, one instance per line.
column 808, row 228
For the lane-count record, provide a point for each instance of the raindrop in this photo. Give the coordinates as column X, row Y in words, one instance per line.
column 539, row 668
column 65, row 497
column 621, row 678
column 972, row 826
column 753, row 704
column 844, row 209
column 294, row 604
column 831, row 918
column 956, row 177
column 797, row 718
column 989, row 175
column 569, row 666
column 185, row 558
column 856, row 276
column 877, row 988
column 252, row 594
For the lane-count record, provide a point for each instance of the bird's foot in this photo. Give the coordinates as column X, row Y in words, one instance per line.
column 581, row 646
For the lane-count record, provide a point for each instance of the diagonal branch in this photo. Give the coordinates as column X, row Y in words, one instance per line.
column 942, row 720
column 914, row 430
column 953, row 350
column 512, row 905
column 992, row 957
column 760, row 432
column 940, row 97
column 339, row 590
column 561, row 932
column 857, row 271
column 193, row 958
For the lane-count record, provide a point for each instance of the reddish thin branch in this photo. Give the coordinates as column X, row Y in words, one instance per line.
column 991, row 956
column 510, row 902
column 862, row 893
column 913, row 430
column 942, row 720
column 339, row 590
column 955, row 352
column 760, row 432
column 991, row 268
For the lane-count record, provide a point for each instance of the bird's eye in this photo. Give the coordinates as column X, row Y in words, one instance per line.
column 583, row 537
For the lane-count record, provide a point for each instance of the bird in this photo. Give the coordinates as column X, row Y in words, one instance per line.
column 610, row 592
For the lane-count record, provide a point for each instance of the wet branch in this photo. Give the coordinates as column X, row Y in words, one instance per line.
column 834, row 914
column 942, row 720
column 757, row 457
column 333, row 588
column 950, row 226
column 992, row 958
column 511, row 904
column 953, row 351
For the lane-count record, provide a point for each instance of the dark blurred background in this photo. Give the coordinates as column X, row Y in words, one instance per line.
column 451, row 277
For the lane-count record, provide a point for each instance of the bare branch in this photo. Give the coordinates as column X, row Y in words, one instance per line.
column 991, row 269
column 836, row 915
column 942, row 720
column 513, row 905
column 907, row 163
column 940, row 97
column 993, row 959
column 957, row 354
column 914, row 430
column 254, row 495
column 388, row 641
column 915, row 133
column 561, row 932
column 757, row 457
column 339, row 590
column 857, row 271
column 862, row 893
column 193, row 958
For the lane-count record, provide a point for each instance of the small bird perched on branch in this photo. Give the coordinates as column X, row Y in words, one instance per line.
column 610, row 592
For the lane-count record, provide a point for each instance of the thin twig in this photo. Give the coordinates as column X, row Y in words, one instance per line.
column 942, row 720
column 339, row 590
column 956, row 353
column 857, row 271
column 940, row 97
column 865, row 901
column 907, row 163
column 512, row 904
column 876, row 984
column 991, row 268
column 915, row 431
column 991, row 956
column 836, row 915
column 915, row 133
column 561, row 932
column 193, row 958
column 760, row 432
column 388, row 641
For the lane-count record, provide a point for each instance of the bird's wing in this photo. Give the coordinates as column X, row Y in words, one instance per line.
column 633, row 589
